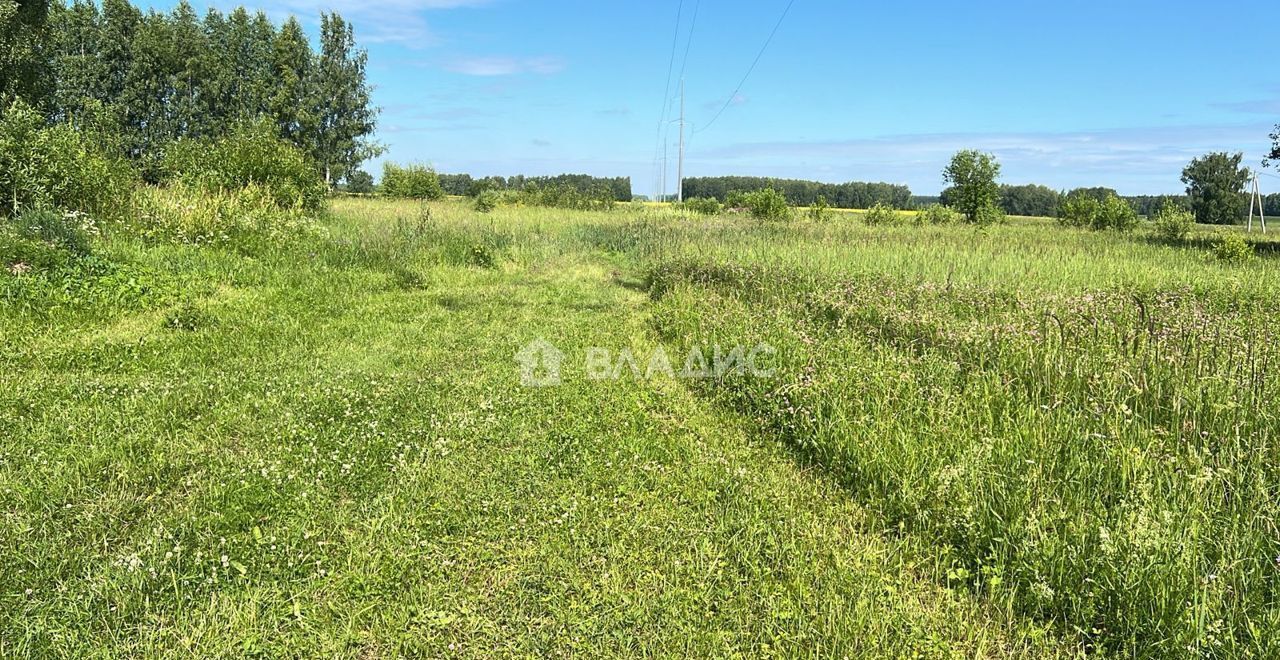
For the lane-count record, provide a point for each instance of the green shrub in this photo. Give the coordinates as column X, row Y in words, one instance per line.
column 1232, row 248
column 246, row 218
column 55, row 167
column 937, row 214
column 735, row 200
column 820, row 211
column 1173, row 223
column 703, row 205
column 1079, row 209
column 563, row 196
column 411, row 182
column 1115, row 213
column 767, row 204
column 987, row 216
column 880, row 214
column 487, row 200
column 252, row 155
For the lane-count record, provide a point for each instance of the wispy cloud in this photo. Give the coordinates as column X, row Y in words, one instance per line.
column 505, row 66
column 1259, row 107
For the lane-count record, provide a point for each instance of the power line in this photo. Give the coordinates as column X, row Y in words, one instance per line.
column 759, row 55
column 689, row 43
column 666, row 89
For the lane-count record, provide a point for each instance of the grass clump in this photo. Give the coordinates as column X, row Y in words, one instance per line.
column 248, row 218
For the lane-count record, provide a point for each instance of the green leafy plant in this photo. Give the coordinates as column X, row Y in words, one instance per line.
column 1232, row 248
column 1116, row 214
column 767, row 204
column 703, row 205
column 411, row 182
column 820, row 210
column 1173, row 223
column 56, row 167
column 1079, row 210
column 974, row 190
column 251, row 155
column 880, row 214
column 487, row 200
column 937, row 214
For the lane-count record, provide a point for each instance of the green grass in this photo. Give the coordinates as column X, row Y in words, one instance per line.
column 1024, row 441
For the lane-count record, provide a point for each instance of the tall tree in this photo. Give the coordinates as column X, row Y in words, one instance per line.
column 345, row 114
column 1215, row 186
column 190, row 45
column 79, row 74
column 974, row 190
column 23, row 57
column 291, row 104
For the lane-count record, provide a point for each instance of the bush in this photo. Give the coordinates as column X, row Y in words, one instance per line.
column 487, row 201
column 1173, row 223
column 880, row 214
column 55, row 167
column 252, row 155
column 411, row 182
column 1115, row 213
column 562, row 196
column 767, row 204
column 1232, row 248
column 703, row 205
column 1079, row 210
column 937, row 214
column 247, row 218
column 820, row 211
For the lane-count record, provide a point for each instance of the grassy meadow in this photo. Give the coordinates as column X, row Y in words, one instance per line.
column 1019, row 441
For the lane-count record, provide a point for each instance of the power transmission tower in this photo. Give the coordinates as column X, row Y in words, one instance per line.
column 1256, row 199
column 680, row 167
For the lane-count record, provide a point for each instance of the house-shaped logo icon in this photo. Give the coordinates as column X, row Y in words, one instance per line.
column 539, row 364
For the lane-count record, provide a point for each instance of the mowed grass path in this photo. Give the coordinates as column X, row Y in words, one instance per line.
column 338, row 460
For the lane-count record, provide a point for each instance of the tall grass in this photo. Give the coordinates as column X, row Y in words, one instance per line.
column 1082, row 423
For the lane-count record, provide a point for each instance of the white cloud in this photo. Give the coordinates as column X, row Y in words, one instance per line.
column 505, row 66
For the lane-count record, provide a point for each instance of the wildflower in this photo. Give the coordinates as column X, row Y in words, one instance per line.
column 19, row 268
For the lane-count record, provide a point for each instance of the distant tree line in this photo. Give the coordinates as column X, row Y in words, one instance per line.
column 617, row 188
column 146, row 80
column 852, row 195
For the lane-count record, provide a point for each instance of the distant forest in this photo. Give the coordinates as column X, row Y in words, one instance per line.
column 618, row 188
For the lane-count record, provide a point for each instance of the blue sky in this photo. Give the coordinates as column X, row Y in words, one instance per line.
column 1115, row 93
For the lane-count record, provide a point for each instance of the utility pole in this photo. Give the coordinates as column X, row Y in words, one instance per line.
column 680, row 171
column 1257, row 200
column 666, row 139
